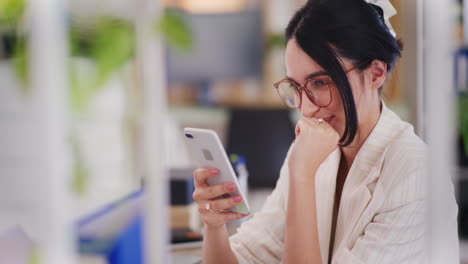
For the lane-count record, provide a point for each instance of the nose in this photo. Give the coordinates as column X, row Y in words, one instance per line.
column 307, row 108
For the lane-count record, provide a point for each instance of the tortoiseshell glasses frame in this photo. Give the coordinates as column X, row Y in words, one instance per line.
column 317, row 89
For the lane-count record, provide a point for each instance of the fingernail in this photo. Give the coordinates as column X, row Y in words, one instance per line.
column 214, row 171
column 237, row 199
column 231, row 187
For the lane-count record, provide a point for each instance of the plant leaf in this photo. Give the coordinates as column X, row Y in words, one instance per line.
column 109, row 44
column 112, row 47
column 276, row 41
column 10, row 12
column 175, row 30
column 20, row 63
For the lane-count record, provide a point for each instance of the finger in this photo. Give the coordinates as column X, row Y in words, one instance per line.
column 302, row 125
column 317, row 123
column 231, row 216
column 202, row 210
column 326, row 126
column 213, row 192
column 223, row 204
column 312, row 121
column 322, row 123
column 201, row 174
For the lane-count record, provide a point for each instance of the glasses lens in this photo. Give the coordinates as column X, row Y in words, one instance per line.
column 289, row 94
column 318, row 92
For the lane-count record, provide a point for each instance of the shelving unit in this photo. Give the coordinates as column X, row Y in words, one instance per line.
column 41, row 174
column 47, row 43
column 151, row 63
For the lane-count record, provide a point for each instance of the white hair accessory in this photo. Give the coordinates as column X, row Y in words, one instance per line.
column 388, row 11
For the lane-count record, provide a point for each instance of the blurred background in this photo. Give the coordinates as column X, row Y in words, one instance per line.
column 80, row 120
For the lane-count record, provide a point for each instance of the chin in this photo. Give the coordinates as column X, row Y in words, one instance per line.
column 340, row 131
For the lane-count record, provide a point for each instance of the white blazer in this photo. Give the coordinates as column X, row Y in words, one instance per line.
column 381, row 218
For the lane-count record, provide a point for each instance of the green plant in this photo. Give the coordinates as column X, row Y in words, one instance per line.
column 19, row 60
column 108, row 42
column 175, row 30
column 10, row 12
column 276, row 41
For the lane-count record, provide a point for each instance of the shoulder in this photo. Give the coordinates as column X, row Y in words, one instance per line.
column 404, row 164
column 406, row 149
column 396, row 147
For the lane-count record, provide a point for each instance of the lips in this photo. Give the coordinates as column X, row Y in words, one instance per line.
column 328, row 119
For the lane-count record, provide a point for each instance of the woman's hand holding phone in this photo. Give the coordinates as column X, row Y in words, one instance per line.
column 212, row 204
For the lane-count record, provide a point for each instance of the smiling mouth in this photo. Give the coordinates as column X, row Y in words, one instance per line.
column 328, row 119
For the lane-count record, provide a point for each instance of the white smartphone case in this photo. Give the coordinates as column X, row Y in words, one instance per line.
column 206, row 150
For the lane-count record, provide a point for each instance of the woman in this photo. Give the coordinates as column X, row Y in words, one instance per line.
column 352, row 187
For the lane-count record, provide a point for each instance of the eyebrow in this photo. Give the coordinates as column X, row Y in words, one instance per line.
column 310, row 76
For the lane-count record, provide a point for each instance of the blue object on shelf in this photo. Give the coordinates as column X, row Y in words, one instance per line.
column 461, row 70
column 129, row 247
column 115, row 231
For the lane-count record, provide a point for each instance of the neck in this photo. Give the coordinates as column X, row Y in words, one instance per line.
column 364, row 129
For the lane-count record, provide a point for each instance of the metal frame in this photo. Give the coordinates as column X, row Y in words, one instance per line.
column 48, row 78
column 150, row 59
column 439, row 47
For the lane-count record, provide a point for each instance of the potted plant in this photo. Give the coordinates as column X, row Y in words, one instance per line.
column 101, row 70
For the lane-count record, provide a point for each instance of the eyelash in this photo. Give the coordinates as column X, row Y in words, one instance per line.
column 319, row 82
column 324, row 81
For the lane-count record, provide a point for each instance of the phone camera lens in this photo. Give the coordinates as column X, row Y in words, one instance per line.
column 188, row 135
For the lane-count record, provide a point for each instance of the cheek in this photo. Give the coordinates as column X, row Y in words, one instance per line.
column 340, row 123
column 360, row 95
column 336, row 107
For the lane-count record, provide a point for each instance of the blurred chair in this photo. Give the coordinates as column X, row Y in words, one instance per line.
column 263, row 136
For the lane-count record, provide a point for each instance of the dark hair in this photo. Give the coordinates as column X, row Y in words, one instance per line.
column 353, row 29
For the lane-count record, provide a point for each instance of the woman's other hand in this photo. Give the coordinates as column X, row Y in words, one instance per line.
column 211, row 203
column 315, row 140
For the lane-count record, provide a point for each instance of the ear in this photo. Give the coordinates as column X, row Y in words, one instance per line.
column 376, row 74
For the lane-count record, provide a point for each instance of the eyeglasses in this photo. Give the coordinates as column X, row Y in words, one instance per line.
column 317, row 90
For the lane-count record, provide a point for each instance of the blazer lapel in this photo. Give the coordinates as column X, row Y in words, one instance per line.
column 325, row 182
column 364, row 174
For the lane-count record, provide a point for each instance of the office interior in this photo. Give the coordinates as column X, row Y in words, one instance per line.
column 95, row 96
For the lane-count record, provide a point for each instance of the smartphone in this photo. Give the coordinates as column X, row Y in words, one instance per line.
column 206, row 150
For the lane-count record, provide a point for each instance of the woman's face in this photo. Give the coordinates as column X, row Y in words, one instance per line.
column 299, row 65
